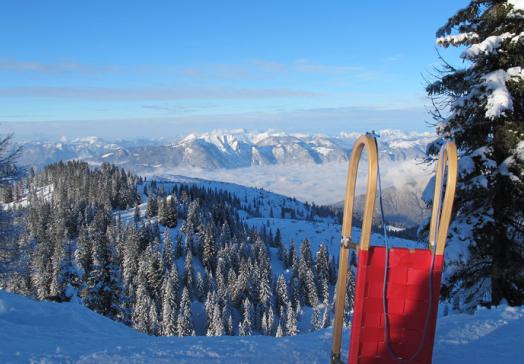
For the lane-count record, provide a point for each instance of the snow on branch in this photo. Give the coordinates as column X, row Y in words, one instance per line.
column 489, row 45
column 517, row 6
column 457, row 39
column 499, row 99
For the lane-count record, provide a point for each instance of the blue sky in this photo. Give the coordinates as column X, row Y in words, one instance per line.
column 117, row 67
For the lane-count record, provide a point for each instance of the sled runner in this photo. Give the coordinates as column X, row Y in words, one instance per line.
column 397, row 289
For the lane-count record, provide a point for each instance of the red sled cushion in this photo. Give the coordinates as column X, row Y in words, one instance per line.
column 407, row 305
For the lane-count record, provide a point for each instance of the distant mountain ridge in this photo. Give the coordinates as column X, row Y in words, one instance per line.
column 222, row 149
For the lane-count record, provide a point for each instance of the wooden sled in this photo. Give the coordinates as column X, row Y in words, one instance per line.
column 404, row 330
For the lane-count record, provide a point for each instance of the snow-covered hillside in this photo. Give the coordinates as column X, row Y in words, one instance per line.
column 48, row 332
column 319, row 230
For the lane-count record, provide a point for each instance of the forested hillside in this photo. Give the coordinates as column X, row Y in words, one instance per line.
column 165, row 258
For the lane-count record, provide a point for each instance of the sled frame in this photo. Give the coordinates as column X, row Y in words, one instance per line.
column 440, row 220
column 368, row 142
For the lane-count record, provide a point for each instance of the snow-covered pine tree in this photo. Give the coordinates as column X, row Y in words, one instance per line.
column 291, row 321
column 152, row 206
column 269, row 321
column 162, row 210
column 185, row 319
column 228, row 319
column 481, row 107
column 311, row 288
column 188, row 272
column 169, row 302
column 245, row 327
column 154, row 325
column 217, row 324
column 140, row 317
column 167, row 251
column 282, row 293
column 136, row 213
column 322, row 269
column 200, row 289
column 170, row 218
column 316, row 319
column 209, row 250
column 179, row 250
column 349, row 300
column 326, row 322
column 280, row 331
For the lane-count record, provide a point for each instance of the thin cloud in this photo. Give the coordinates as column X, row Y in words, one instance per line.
column 305, row 65
column 216, row 71
column 54, row 68
column 270, row 66
column 101, row 93
column 394, row 58
column 325, row 120
column 177, row 108
column 356, row 72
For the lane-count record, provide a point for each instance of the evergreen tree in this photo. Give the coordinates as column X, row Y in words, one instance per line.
column 325, row 317
column 185, row 320
column 136, row 213
column 209, row 250
column 154, row 325
column 152, row 207
column 316, row 319
column 179, row 250
column 282, row 293
column 141, row 316
column 349, row 299
column 188, row 272
column 311, row 288
column 169, row 299
column 167, row 251
column 162, row 211
column 291, row 321
column 217, row 324
column 481, row 107
column 245, row 327
column 170, row 216
column 280, row 331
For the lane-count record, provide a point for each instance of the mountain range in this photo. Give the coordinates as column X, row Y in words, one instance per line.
column 221, row 150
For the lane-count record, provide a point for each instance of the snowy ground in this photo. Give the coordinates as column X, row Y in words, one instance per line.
column 47, row 332
column 322, row 233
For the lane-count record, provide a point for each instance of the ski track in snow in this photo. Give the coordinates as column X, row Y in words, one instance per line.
column 48, row 332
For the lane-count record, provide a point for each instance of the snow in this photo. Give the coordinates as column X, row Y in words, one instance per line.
column 456, row 39
column 395, row 228
column 466, row 166
column 520, row 150
column 487, row 46
column 517, row 4
column 44, row 192
column 516, row 72
column 499, row 98
column 324, row 233
column 49, row 332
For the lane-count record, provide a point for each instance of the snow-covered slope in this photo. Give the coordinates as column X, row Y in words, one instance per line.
column 323, row 230
column 48, row 332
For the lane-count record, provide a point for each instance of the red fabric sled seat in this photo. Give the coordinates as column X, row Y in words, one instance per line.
column 407, row 300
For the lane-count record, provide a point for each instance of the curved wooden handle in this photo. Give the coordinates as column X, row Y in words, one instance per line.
column 448, row 156
column 369, row 142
